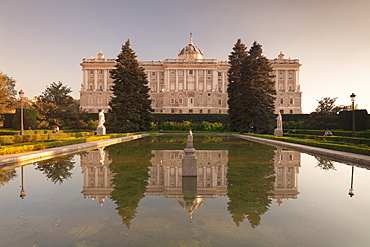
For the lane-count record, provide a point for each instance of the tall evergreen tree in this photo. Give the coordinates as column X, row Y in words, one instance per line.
column 236, row 59
column 130, row 104
column 251, row 97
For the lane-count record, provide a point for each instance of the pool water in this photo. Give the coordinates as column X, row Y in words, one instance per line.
column 134, row 194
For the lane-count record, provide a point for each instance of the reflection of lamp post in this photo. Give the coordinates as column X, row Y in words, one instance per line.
column 21, row 94
column 351, row 190
column 353, row 96
column 23, row 193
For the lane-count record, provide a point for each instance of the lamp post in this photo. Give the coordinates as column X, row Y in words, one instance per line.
column 22, row 194
column 351, row 191
column 21, row 95
column 353, row 96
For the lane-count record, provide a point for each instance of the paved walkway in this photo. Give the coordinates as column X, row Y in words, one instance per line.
column 28, row 157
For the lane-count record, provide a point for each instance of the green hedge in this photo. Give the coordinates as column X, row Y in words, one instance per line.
column 15, row 139
column 8, row 120
column 360, row 134
column 29, row 119
column 19, row 148
column 186, row 125
column 351, row 148
column 195, row 118
column 361, row 120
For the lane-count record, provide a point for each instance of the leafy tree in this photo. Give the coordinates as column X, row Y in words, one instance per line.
column 7, row 92
column 251, row 96
column 130, row 104
column 57, row 169
column 325, row 115
column 6, row 176
column 56, row 107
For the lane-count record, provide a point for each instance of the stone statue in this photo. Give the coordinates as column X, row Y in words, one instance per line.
column 101, row 119
column 279, row 130
column 279, row 122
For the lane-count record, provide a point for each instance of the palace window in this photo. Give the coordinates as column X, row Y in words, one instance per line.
column 200, row 111
column 281, row 101
column 209, row 72
column 219, row 102
column 291, row 101
column 180, row 101
column 172, row 101
column 153, row 73
column 91, row 71
column 281, row 111
column 219, row 73
column 291, row 111
column 100, row 71
column 190, row 72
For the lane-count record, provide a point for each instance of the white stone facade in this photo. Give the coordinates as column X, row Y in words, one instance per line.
column 188, row 84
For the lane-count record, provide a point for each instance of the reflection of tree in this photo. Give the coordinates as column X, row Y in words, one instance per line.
column 6, row 176
column 324, row 163
column 57, row 169
column 130, row 164
column 250, row 179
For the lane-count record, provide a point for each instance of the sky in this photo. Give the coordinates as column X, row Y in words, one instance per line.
column 44, row 41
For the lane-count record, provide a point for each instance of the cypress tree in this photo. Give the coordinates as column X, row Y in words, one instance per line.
column 130, row 104
column 236, row 59
column 252, row 104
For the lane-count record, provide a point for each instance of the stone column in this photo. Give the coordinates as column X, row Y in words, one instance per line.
column 185, row 80
column 85, row 80
column 286, row 80
column 95, row 79
column 215, row 76
column 196, row 80
column 204, row 80
column 105, row 77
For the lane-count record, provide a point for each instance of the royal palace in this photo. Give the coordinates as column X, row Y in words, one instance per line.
column 188, row 84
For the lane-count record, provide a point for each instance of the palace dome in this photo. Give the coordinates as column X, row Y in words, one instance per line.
column 191, row 51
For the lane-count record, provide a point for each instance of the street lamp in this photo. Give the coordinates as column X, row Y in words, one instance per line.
column 22, row 194
column 353, row 96
column 351, row 191
column 21, row 95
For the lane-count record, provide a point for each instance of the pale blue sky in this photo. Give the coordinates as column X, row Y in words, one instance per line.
column 43, row 41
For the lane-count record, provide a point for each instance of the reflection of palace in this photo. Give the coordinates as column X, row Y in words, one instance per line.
column 166, row 173
column 287, row 163
column 97, row 175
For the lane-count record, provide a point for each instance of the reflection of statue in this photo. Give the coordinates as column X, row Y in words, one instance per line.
column 101, row 119
column 102, row 155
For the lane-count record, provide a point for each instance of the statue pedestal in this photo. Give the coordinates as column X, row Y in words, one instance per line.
column 100, row 131
column 189, row 163
column 278, row 132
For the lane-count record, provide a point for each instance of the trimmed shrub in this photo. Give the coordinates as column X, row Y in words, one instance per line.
column 29, row 119
column 361, row 120
column 194, row 118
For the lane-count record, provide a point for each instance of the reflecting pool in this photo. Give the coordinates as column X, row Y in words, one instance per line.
column 134, row 194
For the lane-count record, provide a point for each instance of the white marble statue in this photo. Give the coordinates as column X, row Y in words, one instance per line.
column 101, row 119
column 279, row 122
